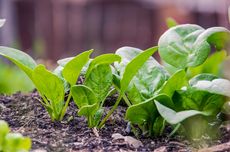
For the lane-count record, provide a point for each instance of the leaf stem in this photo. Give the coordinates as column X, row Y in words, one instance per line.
column 111, row 111
column 126, row 100
column 66, row 105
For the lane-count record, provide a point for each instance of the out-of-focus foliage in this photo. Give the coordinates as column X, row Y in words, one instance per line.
column 13, row 80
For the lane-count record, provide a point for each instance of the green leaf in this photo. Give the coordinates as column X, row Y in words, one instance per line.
column 174, row 117
column 175, row 82
column 21, row 59
column 51, row 86
column 2, row 22
column 208, row 82
column 171, row 22
column 87, row 103
column 141, row 113
column 150, row 77
column 212, row 65
column 102, row 59
column 133, row 66
column 73, row 68
column 100, row 80
column 83, row 95
column 189, row 45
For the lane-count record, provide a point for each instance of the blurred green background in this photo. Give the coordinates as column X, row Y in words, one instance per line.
column 13, row 79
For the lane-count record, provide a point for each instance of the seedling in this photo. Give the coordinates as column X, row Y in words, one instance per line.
column 50, row 86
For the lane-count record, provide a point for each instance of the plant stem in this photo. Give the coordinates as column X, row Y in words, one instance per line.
column 111, row 111
column 65, row 107
column 126, row 100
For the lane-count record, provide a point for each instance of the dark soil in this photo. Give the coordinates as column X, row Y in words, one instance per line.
column 25, row 115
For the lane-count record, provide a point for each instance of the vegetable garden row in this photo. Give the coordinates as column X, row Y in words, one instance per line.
column 184, row 92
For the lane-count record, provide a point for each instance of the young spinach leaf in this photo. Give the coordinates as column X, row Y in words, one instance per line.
column 21, row 59
column 212, row 84
column 189, row 45
column 53, row 93
column 149, row 78
column 129, row 72
column 73, row 68
column 97, row 86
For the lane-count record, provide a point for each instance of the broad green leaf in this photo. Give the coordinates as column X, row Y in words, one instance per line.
column 133, row 66
column 86, row 101
column 64, row 61
column 214, row 104
column 174, row 117
column 175, row 82
column 16, row 142
column 83, row 95
column 88, row 110
column 2, row 22
column 49, row 85
column 171, row 22
column 100, row 80
column 73, row 68
column 189, row 45
column 212, row 65
column 147, row 80
column 102, row 59
column 218, row 86
column 21, row 59
column 141, row 113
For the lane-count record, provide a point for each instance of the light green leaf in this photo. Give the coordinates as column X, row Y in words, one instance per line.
column 189, row 45
column 73, row 68
column 21, row 59
column 147, row 80
column 100, row 80
column 83, row 95
column 102, row 59
column 141, row 113
column 2, row 22
column 211, row 84
column 51, row 86
column 174, row 117
column 212, row 65
column 133, row 66
column 175, row 82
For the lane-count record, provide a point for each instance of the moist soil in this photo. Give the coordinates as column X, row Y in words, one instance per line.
column 25, row 115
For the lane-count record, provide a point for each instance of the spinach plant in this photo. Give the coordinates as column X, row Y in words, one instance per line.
column 50, row 86
column 185, row 47
column 12, row 142
column 122, row 81
column 90, row 96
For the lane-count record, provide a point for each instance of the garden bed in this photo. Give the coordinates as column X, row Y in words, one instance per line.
column 26, row 115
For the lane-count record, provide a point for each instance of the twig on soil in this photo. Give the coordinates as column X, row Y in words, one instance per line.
column 221, row 147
